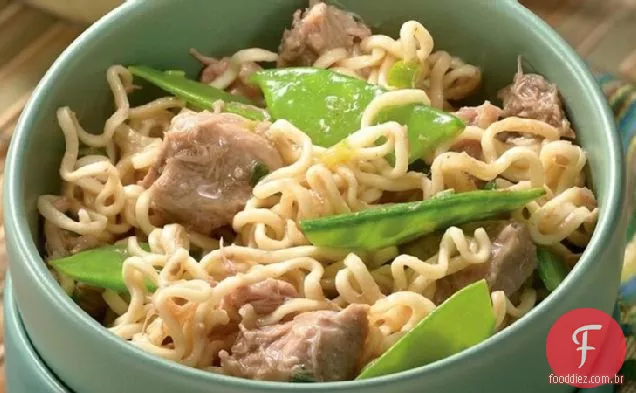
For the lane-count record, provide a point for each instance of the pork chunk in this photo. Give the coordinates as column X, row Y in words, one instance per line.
column 323, row 345
column 60, row 243
column 213, row 68
column 265, row 296
column 316, row 30
column 481, row 116
column 90, row 300
column 202, row 176
column 513, row 258
column 531, row 96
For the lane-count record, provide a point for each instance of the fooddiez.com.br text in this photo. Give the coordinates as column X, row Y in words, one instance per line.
column 583, row 379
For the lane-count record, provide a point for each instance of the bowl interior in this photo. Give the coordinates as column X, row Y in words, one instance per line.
column 82, row 85
column 160, row 33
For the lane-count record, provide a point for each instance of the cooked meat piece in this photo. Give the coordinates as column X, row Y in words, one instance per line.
column 202, row 176
column 90, row 300
column 325, row 345
column 215, row 68
column 131, row 142
column 76, row 244
column 513, row 258
column 531, row 96
column 481, row 116
column 316, row 30
column 60, row 243
column 463, row 182
column 264, row 296
column 472, row 147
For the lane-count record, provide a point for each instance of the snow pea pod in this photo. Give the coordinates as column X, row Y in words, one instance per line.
column 98, row 267
column 328, row 106
column 198, row 94
column 462, row 321
column 399, row 223
column 404, row 75
column 550, row 268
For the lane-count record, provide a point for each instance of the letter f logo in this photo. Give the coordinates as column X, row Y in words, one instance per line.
column 580, row 357
column 583, row 344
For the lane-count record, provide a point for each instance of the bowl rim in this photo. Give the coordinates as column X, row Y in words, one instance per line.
column 26, row 251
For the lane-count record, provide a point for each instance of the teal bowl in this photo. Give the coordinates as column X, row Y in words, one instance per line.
column 491, row 34
column 25, row 371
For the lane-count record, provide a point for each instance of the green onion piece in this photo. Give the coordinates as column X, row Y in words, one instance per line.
column 404, row 75
column 551, row 269
column 420, row 166
column 491, row 185
column 260, row 171
column 301, row 374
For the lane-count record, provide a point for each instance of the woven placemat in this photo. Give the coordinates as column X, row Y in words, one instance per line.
column 30, row 40
column 601, row 31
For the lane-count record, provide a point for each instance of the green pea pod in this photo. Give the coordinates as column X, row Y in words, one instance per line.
column 399, row 223
column 198, row 94
column 551, row 269
column 98, row 267
column 328, row 106
column 462, row 321
column 404, row 75
column 491, row 185
column 260, row 171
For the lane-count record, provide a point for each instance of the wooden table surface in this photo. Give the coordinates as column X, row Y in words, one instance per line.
column 602, row 31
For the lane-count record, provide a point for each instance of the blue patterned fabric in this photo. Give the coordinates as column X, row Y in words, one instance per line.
column 621, row 97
